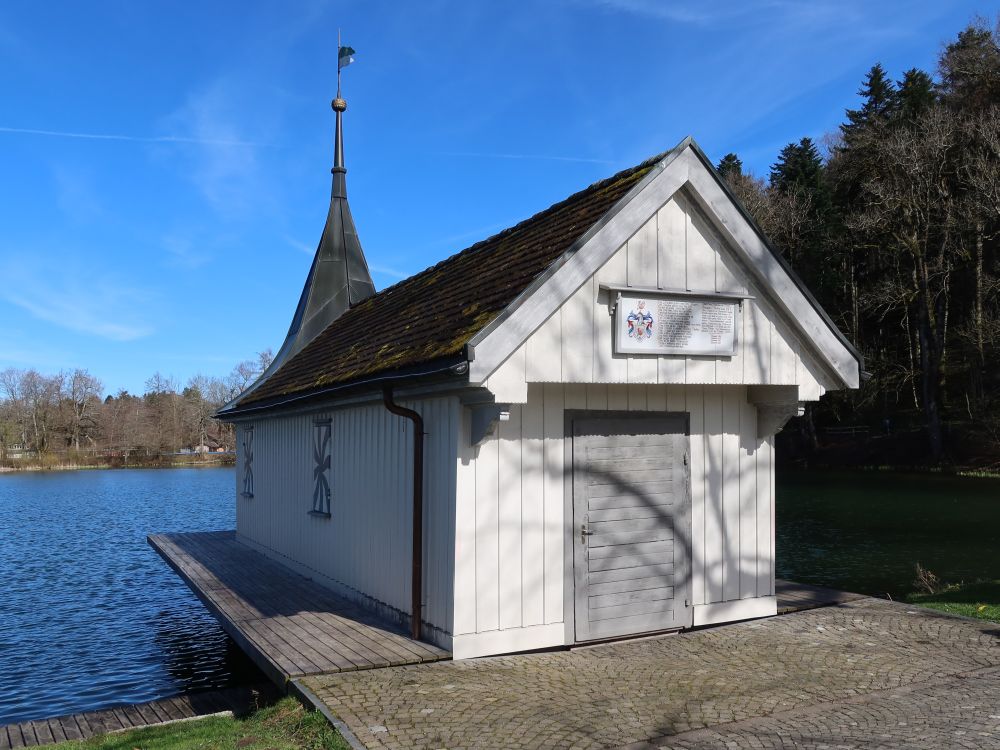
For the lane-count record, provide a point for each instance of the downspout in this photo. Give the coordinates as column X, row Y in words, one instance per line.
column 416, row 584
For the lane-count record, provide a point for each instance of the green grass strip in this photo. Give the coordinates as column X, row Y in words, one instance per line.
column 980, row 600
column 284, row 726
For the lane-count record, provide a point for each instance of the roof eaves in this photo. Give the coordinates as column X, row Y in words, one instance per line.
column 446, row 367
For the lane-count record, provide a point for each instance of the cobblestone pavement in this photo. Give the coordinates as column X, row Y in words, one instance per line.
column 868, row 674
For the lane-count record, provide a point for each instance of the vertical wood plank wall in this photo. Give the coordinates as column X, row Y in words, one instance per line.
column 365, row 545
column 676, row 249
column 510, row 568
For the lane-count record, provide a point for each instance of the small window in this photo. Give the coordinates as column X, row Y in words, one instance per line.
column 247, row 461
column 322, row 439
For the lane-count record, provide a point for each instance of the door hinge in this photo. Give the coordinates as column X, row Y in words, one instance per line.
column 685, row 458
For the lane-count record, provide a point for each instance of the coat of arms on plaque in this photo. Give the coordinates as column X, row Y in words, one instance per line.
column 640, row 323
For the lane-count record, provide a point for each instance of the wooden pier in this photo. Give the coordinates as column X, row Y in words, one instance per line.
column 289, row 625
column 89, row 724
column 793, row 597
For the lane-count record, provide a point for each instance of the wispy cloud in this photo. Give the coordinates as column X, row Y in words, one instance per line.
column 302, row 247
column 212, row 150
column 388, row 271
column 664, row 10
column 535, row 157
column 135, row 138
column 814, row 13
column 185, row 252
column 79, row 300
column 479, row 233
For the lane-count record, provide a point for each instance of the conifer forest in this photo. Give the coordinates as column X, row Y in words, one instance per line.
column 893, row 222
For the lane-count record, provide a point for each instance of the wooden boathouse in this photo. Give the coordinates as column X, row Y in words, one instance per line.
column 562, row 434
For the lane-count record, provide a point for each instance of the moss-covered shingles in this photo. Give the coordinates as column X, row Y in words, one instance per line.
column 433, row 314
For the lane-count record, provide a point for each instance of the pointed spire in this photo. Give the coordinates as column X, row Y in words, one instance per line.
column 339, row 276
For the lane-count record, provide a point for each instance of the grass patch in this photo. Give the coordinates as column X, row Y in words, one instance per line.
column 980, row 600
column 284, row 726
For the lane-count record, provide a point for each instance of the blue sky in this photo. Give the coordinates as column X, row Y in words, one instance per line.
column 165, row 165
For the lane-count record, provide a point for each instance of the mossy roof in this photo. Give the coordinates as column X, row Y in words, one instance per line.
column 433, row 314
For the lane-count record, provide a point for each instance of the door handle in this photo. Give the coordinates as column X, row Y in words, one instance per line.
column 584, row 533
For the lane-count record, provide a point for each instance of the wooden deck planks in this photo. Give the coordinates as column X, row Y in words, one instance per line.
column 793, row 597
column 7, row 735
column 289, row 625
column 120, row 718
column 16, row 738
column 58, row 735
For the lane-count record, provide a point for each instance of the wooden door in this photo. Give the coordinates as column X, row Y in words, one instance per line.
column 632, row 526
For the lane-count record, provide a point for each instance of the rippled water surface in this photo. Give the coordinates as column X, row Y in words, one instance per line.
column 866, row 531
column 90, row 616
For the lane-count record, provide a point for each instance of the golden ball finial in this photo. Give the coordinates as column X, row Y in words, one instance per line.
column 338, row 104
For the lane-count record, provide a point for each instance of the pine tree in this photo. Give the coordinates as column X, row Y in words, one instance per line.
column 914, row 95
column 799, row 168
column 879, row 96
column 798, row 176
column 730, row 167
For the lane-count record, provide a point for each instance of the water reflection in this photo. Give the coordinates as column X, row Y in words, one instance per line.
column 865, row 531
column 200, row 657
column 91, row 616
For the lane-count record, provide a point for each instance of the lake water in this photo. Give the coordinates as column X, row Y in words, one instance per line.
column 866, row 531
column 90, row 616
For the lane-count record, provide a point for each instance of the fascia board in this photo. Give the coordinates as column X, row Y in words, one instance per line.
column 780, row 286
column 556, row 265
column 491, row 348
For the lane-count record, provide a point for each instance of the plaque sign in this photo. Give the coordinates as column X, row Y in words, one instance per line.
column 674, row 324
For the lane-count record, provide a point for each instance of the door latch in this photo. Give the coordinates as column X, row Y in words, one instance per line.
column 584, row 533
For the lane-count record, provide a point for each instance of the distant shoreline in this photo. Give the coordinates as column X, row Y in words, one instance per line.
column 201, row 463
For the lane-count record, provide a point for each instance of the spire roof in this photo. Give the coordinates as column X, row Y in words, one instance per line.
column 339, row 277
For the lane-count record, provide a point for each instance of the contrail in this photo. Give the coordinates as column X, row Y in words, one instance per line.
column 134, row 138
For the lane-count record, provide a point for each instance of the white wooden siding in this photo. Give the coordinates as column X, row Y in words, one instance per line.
column 364, row 548
column 676, row 248
column 511, row 524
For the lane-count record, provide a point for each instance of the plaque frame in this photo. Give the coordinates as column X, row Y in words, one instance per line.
column 656, row 294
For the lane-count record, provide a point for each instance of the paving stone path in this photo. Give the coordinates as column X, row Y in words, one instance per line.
column 868, row 674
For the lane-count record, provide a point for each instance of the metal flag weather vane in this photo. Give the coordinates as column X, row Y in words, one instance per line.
column 345, row 56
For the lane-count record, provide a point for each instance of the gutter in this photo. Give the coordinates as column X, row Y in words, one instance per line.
column 454, row 366
column 416, row 583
